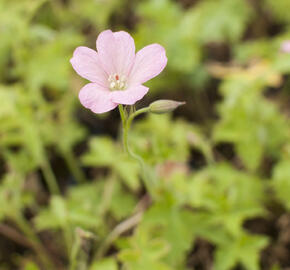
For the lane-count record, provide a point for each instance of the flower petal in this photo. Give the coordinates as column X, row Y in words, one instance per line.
column 96, row 98
column 129, row 96
column 116, row 51
column 86, row 63
column 149, row 62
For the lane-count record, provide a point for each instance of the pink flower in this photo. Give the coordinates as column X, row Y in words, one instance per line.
column 285, row 46
column 115, row 71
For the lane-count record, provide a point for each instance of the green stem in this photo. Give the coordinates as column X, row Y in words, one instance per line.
column 50, row 178
column 74, row 253
column 122, row 114
column 67, row 235
column 126, row 127
column 25, row 227
column 133, row 115
column 73, row 166
column 80, row 250
column 148, row 176
column 124, row 226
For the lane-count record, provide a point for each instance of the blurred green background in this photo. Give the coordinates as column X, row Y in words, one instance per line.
column 71, row 199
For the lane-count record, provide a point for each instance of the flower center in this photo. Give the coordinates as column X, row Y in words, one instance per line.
column 117, row 82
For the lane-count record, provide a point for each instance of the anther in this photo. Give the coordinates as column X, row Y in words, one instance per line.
column 117, row 82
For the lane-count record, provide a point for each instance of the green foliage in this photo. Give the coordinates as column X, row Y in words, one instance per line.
column 224, row 193
column 248, row 120
column 281, row 181
column 154, row 147
column 103, row 152
column 278, row 9
column 195, row 191
column 13, row 197
column 174, row 226
column 84, row 207
column 222, row 20
column 244, row 250
column 31, row 266
column 143, row 252
column 106, row 264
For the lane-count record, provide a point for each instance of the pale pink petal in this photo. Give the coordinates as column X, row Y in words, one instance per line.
column 96, row 98
column 129, row 96
column 149, row 62
column 116, row 51
column 86, row 63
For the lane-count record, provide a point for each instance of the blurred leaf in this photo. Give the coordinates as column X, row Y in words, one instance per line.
column 223, row 194
column 162, row 15
column 167, row 142
column 123, row 203
column 281, row 181
column 105, row 264
column 88, row 10
column 144, row 253
column 53, row 57
column 174, row 225
column 221, row 20
column 31, row 266
column 80, row 209
column 104, row 152
column 245, row 250
column 278, row 8
column 249, row 121
column 13, row 197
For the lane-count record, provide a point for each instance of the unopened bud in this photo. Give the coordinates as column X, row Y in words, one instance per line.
column 164, row 106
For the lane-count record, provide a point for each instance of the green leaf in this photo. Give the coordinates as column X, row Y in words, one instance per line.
column 223, row 194
column 278, row 8
column 249, row 121
column 86, row 11
column 53, row 57
column 105, row 152
column 105, row 264
column 168, row 142
column 228, row 20
column 122, row 203
column 162, row 15
column 173, row 225
column 129, row 171
column 13, row 197
column 244, row 250
column 102, row 152
column 31, row 266
column 281, row 181
column 144, row 253
column 80, row 209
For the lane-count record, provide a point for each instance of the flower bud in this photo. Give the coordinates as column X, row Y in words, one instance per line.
column 164, row 106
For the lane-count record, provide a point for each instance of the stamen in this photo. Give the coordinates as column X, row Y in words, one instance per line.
column 117, row 82
column 112, row 85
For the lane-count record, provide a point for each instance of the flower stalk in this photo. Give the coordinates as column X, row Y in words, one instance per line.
column 148, row 177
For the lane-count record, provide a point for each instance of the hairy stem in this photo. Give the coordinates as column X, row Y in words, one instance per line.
column 148, row 177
